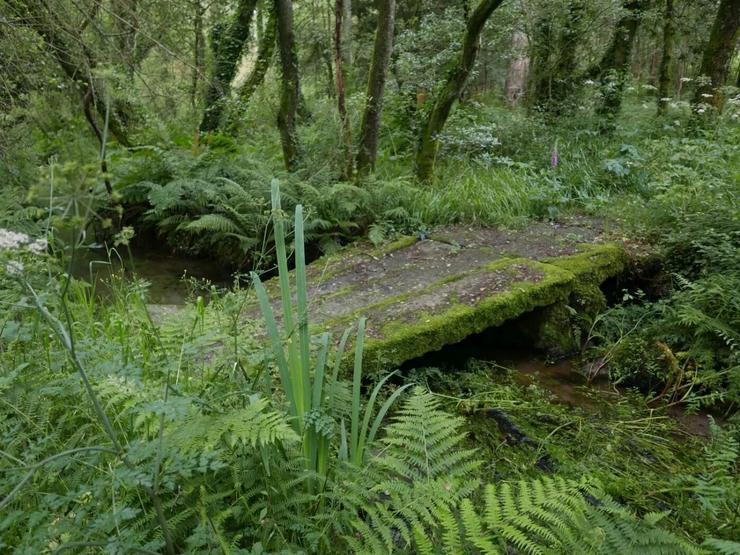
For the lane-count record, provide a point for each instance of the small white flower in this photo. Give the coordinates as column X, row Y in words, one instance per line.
column 665, row 99
column 701, row 110
column 686, row 79
column 705, row 95
column 39, row 246
column 10, row 240
column 590, row 82
column 14, row 268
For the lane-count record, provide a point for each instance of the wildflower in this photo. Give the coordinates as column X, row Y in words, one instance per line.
column 589, row 82
column 686, row 79
column 39, row 246
column 14, row 268
column 10, row 240
column 554, row 157
column 705, row 95
column 665, row 99
column 701, row 110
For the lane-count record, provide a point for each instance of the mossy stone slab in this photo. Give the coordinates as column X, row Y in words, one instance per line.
column 420, row 294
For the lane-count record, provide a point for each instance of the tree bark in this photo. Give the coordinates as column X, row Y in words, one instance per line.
column 227, row 44
column 516, row 75
column 615, row 63
column 666, row 61
column 555, row 60
column 346, row 129
column 290, row 96
column 198, row 51
column 370, row 129
column 347, row 33
column 264, row 58
column 452, row 89
column 718, row 52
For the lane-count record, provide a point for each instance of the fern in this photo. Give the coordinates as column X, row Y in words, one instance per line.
column 415, row 482
column 551, row 515
column 252, row 426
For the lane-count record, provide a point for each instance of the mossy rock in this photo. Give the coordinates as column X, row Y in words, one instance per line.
column 421, row 295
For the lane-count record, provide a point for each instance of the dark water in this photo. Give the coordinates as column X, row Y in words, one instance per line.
column 170, row 276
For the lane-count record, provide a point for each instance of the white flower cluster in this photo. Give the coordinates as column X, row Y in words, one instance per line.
column 13, row 240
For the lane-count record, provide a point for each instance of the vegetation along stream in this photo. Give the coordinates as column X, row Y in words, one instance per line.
column 370, row 276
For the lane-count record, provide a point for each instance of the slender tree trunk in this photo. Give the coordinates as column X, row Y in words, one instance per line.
column 347, row 34
column 451, row 90
column 614, row 65
column 265, row 52
column 666, row 60
column 227, row 44
column 198, row 51
column 718, row 53
column 541, row 71
column 516, row 75
column 370, row 130
column 346, row 131
column 290, row 97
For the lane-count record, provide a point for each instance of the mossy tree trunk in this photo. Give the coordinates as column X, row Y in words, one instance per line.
column 564, row 81
column 453, row 87
column 346, row 129
column 370, row 129
column 718, row 52
column 614, row 65
column 198, row 51
column 227, row 43
column 555, row 58
column 265, row 52
column 665, row 71
column 290, row 96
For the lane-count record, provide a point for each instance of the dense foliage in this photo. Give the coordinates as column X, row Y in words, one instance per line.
column 195, row 128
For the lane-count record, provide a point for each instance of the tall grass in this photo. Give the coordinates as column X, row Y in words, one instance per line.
column 311, row 395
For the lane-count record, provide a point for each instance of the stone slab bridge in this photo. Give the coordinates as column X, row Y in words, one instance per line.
column 421, row 294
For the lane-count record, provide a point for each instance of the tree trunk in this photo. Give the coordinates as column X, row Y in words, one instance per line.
column 451, row 90
column 615, row 63
column 346, row 128
column 198, row 51
column 264, row 57
column 718, row 52
column 516, row 75
column 563, row 84
column 290, row 96
column 666, row 60
column 347, row 34
column 554, row 81
column 370, row 129
column 227, row 44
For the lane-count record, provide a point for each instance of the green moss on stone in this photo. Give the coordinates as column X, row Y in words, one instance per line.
column 595, row 263
column 407, row 340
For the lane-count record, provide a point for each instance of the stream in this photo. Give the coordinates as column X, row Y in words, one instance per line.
column 171, row 278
